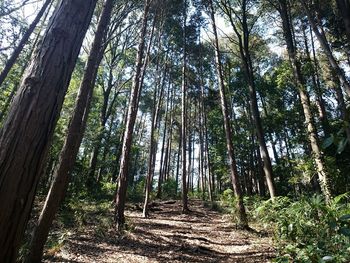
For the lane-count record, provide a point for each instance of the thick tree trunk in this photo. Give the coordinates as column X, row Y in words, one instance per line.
column 11, row 61
column 128, row 134
column 304, row 97
column 243, row 220
column 27, row 132
column 73, row 140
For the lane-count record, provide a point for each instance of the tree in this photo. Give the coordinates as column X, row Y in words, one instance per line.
column 130, row 122
column 28, row 129
column 305, row 100
column 11, row 61
column 73, row 140
column 243, row 30
column 243, row 220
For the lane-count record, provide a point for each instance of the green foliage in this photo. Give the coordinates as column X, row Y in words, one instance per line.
column 136, row 192
column 308, row 230
column 170, row 189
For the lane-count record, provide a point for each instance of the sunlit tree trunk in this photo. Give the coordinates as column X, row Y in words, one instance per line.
column 128, row 134
column 243, row 220
column 305, row 101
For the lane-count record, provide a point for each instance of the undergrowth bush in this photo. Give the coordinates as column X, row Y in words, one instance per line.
column 308, row 230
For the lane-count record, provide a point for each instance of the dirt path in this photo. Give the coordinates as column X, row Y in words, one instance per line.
column 169, row 236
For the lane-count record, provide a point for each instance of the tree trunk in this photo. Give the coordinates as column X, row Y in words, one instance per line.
column 184, row 116
column 312, row 135
column 243, row 43
column 27, row 132
column 243, row 220
column 153, row 145
column 128, row 134
column 322, row 39
column 73, row 140
column 11, row 61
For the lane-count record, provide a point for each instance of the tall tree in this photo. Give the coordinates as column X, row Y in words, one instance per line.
column 243, row 31
column 304, row 97
column 243, row 220
column 73, row 140
column 184, row 115
column 28, row 129
column 130, row 122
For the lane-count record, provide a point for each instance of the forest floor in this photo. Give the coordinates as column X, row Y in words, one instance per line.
column 203, row 235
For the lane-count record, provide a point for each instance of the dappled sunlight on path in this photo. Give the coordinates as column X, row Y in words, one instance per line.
column 202, row 235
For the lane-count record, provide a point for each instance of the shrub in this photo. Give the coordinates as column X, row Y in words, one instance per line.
column 308, row 230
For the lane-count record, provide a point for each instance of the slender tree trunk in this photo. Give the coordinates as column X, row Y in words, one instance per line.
column 128, row 134
column 243, row 220
column 317, row 85
column 312, row 135
column 322, row 39
column 243, row 42
column 153, row 145
column 27, row 132
column 11, row 61
column 184, row 116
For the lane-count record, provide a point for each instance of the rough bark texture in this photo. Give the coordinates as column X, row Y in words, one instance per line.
column 27, row 132
column 304, row 97
column 129, row 128
column 11, row 61
column 243, row 220
column 74, row 137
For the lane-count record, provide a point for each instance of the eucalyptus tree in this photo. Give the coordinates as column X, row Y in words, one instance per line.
column 28, row 129
column 242, row 20
column 243, row 220
column 323, row 176
column 120, row 197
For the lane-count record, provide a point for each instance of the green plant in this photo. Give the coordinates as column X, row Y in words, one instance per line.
column 308, row 230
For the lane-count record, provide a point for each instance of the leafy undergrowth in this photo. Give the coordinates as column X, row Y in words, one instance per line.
column 304, row 230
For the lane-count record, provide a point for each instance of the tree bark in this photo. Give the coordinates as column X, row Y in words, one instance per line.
column 27, row 132
column 304, row 97
column 184, row 117
column 243, row 220
column 73, row 140
column 128, row 134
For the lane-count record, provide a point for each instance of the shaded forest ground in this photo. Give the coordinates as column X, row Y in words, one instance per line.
column 204, row 235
